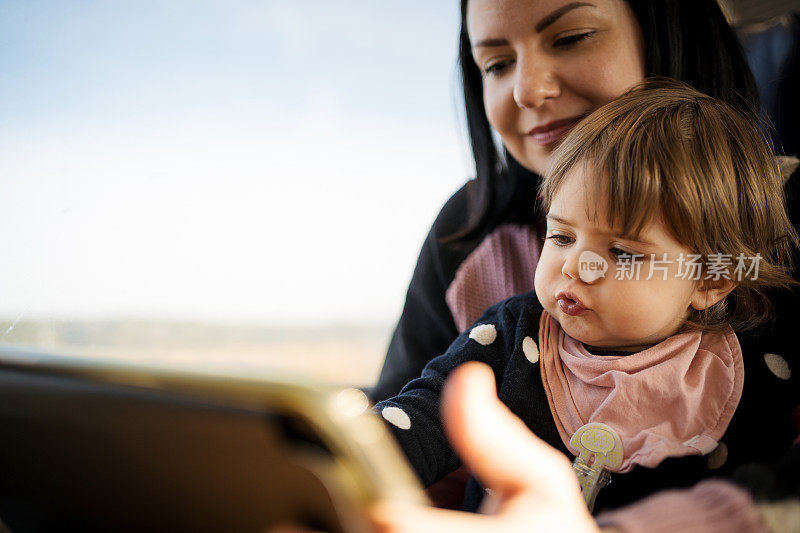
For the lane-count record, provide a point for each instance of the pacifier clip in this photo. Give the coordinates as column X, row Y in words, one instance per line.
column 600, row 451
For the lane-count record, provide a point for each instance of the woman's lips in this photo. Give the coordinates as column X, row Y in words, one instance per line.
column 553, row 131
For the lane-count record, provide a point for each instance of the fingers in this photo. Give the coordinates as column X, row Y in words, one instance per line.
column 495, row 444
column 398, row 517
column 533, row 485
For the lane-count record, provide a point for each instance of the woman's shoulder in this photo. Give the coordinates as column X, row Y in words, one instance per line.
column 443, row 242
column 512, row 201
column 453, row 214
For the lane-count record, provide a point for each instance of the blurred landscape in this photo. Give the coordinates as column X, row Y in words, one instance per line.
column 238, row 185
column 349, row 355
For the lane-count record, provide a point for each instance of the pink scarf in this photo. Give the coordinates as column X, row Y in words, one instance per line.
column 673, row 399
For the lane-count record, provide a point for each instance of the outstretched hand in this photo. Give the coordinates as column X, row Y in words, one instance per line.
column 532, row 486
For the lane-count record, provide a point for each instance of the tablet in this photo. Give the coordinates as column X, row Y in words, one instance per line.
column 98, row 445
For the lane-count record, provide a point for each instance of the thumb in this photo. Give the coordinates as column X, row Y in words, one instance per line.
column 495, row 444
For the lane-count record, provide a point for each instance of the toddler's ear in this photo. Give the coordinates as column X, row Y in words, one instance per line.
column 710, row 291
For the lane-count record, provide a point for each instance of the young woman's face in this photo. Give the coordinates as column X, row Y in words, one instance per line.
column 548, row 63
column 622, row 308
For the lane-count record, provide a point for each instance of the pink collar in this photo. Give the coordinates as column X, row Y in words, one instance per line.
column 673, row 399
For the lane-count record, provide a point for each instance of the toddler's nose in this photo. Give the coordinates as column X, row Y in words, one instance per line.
column 570, row 268
column 585, row 265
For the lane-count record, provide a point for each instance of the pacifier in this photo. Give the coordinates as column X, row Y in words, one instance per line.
column 600, row 451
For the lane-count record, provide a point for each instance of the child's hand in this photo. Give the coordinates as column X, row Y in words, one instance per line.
column 532, row 486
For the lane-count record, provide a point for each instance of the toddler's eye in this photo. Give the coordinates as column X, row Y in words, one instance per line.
column 569, row 40
column 560, row 240
column 627, row 255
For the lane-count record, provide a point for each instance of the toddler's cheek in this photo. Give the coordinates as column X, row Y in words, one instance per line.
column 541, row 285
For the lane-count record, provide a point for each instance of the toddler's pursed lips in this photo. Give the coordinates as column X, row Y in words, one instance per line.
column 571, row 307
column 571, row 298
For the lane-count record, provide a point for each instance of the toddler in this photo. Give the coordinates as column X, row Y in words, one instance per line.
column 666, row 228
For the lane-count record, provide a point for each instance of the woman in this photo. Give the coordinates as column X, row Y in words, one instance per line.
column 562, row 60
column 531, row 69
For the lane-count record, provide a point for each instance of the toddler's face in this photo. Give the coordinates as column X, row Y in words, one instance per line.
column 631, row 313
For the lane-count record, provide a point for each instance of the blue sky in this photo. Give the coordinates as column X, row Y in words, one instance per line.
column 249, row 161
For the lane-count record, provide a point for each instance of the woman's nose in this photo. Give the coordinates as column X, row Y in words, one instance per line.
column 535, row 84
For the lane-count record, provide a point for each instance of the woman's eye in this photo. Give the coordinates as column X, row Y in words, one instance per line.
column 560, row 240
column 493, row 69
column 569, row 40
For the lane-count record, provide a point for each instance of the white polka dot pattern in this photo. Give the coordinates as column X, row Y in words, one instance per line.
column 530, row 350
column 778, row 365
column 396, row 417
column 718, row 457
column 484, row 334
